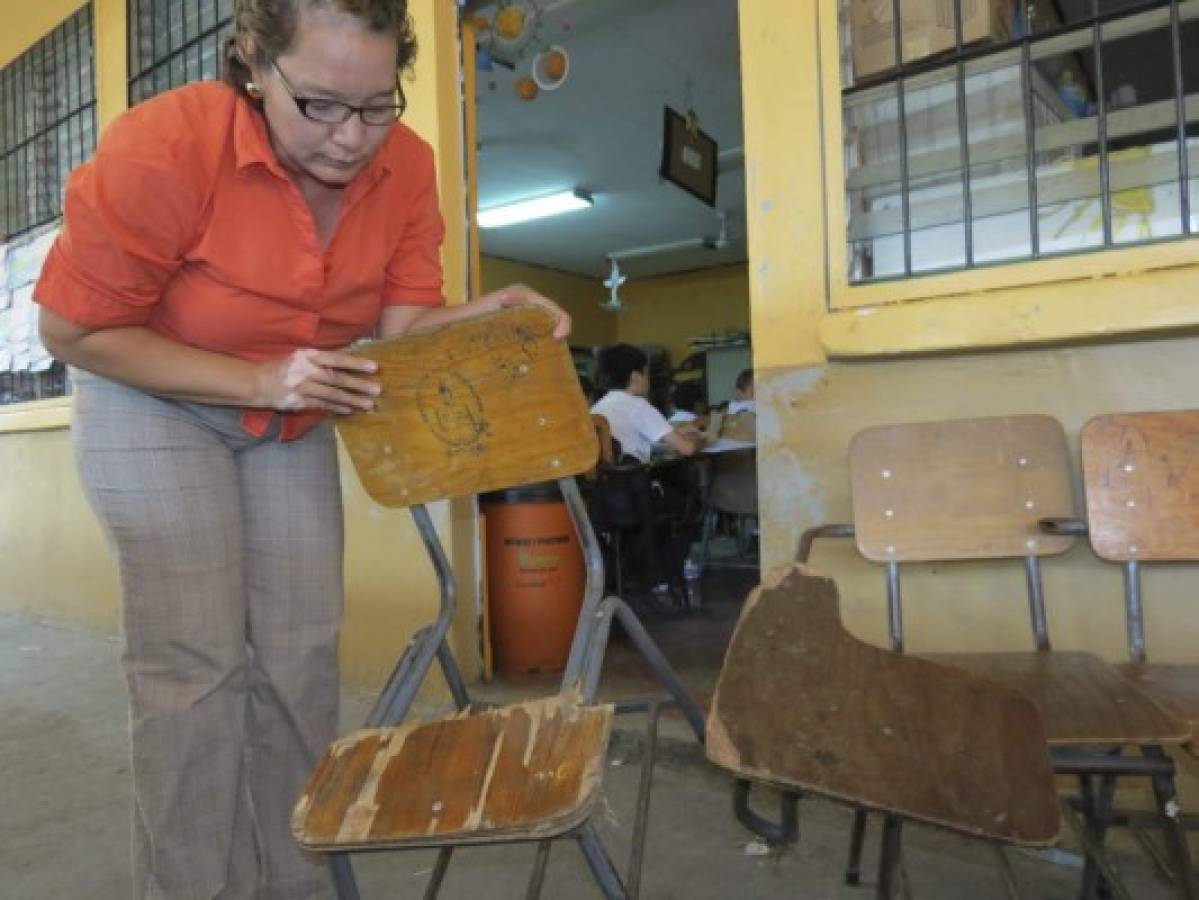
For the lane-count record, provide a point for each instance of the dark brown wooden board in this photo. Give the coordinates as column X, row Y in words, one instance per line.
column 802, row 704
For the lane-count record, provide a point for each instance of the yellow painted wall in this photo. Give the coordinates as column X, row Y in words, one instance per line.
column 673, row 309
column 581, row 297
column 891, row 363
column 56, row 564
column 22, row 24
column 668, row 310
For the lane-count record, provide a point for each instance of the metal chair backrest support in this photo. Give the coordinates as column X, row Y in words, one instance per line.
column 485, row 404
column 1141, row 476
column 969, row 489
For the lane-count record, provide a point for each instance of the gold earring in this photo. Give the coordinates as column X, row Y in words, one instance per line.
column 253, row 91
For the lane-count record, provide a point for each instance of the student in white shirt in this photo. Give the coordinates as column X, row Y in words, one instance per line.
column 635, row 423
column 637, row 426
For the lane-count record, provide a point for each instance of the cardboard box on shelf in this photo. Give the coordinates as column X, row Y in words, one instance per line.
column 928, row 28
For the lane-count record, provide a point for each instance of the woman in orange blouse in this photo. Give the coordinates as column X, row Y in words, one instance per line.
column 224, row 244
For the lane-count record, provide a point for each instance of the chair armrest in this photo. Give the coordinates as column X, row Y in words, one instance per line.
column 1063, row 527
column 821, row 531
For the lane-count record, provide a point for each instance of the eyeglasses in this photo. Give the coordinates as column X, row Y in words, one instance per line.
column 334, row 112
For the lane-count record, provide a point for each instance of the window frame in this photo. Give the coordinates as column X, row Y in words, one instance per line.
column 151, row 64
column 1100, row 262
column 46, row 134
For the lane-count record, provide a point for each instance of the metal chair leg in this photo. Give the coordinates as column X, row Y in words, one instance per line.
column 787, row 829
column 1094, row 852
column 857, row 837
column 600, row 864
column 1010, row 884
column 433, row 888
column 343, row 876
column 592, row 660
column 1176, row 839
column 889, row 874
column 537, row 878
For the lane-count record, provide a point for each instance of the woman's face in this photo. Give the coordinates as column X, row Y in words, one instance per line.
column 334, row 57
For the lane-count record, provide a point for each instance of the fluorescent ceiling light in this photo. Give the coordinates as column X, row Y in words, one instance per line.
column 537, row 208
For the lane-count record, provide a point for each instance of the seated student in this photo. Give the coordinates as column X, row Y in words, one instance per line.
column 742, row 404
column 685, row 405
column 735, row 477
column 636, row 426
column 635, row 423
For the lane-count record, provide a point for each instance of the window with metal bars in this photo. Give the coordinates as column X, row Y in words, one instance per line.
column 173, row 42
column 1015, row 130
column 47, row 123
column 47, row 128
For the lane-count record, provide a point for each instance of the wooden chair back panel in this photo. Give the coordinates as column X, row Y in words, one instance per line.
column 488, row 403
column 1141, row 475
column 802, row 704
column 603, row 434
column 965, row 489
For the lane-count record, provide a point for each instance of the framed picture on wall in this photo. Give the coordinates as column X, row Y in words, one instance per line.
column 688, row 156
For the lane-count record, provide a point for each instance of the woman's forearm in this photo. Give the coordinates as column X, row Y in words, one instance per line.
column 139, row 357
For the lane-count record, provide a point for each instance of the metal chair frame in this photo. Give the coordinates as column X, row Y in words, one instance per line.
column 582, row 677
column 1102, row 809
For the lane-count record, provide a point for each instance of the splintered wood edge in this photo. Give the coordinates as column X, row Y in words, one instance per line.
column 350, row 835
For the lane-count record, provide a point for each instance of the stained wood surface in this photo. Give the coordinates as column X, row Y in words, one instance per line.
column 603, row 434
column 530, row 770
column 1141, row 473
column 800, row 703
column 965, row 489
column 1082, row 699
column 1174, row 687
column 488, row 403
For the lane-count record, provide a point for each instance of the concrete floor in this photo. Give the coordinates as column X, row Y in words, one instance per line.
column 64, row 786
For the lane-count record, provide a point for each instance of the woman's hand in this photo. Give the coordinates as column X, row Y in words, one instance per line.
column 523, row 295
column 316, row 379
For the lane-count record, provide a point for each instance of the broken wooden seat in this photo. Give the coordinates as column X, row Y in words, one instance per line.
column 802, row 704
column 532, row 769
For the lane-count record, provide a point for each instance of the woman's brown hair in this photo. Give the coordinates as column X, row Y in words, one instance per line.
column 272, row 24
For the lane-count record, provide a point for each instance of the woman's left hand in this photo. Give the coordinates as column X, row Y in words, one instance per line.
column 523, row 295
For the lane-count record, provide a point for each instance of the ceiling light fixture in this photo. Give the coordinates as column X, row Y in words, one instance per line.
column 537, row 208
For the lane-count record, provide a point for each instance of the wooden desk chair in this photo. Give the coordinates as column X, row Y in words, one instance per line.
column 802, row 705
column 481, row 405
column 974, row 490
column 1141, row 477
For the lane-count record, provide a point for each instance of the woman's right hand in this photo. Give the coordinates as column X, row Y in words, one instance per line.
column 317, row 379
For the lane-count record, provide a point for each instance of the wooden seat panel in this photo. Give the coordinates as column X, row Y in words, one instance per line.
column 531, row 770
column 966, row 489
column 1174, row 687
column 471, row 407
column 802, row 704
column 1083, row 700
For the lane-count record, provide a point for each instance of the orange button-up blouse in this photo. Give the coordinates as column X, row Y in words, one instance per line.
column 185, row 222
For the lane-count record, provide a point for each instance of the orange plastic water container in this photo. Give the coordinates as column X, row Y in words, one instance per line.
column 535, row 577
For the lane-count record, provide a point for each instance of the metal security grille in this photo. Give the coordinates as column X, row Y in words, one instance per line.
column 985, row 131
column 172, row 42
column 47, row 123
